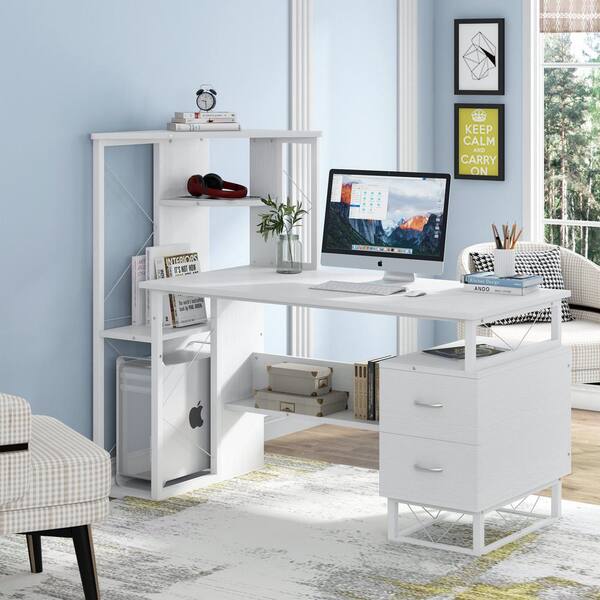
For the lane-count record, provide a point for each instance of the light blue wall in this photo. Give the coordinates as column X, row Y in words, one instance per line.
column 355, row 105
column 70, row 68
column 476, row 204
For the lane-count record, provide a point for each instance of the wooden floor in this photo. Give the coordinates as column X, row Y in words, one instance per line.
column 347, row 446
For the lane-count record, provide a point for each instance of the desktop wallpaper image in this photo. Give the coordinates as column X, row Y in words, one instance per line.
column 412, row 222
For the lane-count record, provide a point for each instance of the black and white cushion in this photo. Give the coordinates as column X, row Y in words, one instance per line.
column 545, row 263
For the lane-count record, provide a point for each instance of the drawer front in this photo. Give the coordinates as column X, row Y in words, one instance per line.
column 432, row 406
column 428, row 472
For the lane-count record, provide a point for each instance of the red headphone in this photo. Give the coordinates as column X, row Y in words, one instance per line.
column 213, row 185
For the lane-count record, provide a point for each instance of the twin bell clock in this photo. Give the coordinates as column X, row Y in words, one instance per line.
column 206, row 97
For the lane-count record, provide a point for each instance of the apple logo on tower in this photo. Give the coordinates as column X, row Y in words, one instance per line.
column 196, row 419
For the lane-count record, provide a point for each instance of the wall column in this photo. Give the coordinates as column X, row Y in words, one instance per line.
column 299, row 318
column 407, row 158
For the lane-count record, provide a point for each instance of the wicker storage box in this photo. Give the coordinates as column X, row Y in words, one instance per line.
column 315, row 406
column 301, row 379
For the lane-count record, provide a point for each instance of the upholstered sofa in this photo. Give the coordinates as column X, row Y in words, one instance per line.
column 53, row 482
column 582, row 277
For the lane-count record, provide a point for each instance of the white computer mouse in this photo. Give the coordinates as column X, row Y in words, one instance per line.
column 414, row 293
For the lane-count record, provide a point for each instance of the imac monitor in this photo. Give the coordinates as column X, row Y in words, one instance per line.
column 386, row 220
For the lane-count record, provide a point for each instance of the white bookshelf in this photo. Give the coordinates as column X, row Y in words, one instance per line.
column 180, row 218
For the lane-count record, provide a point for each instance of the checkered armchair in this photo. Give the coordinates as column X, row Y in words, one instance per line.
column 53, row 482
column 582, row 335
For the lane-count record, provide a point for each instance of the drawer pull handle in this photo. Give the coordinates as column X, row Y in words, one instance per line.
column 429, row 469
column 428, row 404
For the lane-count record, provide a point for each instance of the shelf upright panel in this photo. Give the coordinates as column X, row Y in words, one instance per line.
column 266, row 178
column 174, row 162
column 98, row 416
column 237, row 439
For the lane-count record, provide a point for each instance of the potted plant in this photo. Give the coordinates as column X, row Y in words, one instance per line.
column 280, row 220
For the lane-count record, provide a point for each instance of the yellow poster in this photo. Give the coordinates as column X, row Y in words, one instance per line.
column 479, row 141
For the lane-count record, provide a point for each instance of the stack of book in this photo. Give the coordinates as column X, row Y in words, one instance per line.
column 366, row 389
column 204, row 121
column 489, row 283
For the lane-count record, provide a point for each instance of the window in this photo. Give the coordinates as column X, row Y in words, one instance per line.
column 570, row 32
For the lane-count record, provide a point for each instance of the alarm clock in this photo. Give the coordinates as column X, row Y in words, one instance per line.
column 206, row 98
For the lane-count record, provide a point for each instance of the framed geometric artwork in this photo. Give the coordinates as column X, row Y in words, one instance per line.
column 479, row 57
column 479, row 141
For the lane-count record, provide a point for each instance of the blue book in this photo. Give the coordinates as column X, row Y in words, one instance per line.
column 519, row 281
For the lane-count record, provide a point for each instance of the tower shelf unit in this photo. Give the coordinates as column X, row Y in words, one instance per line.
column 181, row 219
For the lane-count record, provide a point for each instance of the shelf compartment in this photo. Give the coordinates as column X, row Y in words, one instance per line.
column 141, row 333
column 187, row 201
column 343, row 418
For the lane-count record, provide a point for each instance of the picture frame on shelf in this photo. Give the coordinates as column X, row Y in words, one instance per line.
column 479, row 141
column 479, row 57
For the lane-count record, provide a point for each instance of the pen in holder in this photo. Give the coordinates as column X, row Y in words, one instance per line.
column 504, row 252
column 504, row 262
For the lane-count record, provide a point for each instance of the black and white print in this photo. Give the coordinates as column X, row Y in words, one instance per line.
column 479, row 56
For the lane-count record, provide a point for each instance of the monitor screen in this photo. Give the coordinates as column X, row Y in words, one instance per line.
column 375, row 213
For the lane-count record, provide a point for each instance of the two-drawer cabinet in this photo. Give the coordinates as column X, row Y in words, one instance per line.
column 468, row 441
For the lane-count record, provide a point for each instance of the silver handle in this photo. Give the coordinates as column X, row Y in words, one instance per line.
column 428, row 404
column 418, row 467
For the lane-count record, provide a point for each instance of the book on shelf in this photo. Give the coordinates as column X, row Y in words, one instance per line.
column 203, row 126
column 152, row 253
column 204, row 119
column 373, row 387
column 489, row 278
column 185, row 309
column 205, row 115
column 360, row 390
column 138, row 296
column 500, row 289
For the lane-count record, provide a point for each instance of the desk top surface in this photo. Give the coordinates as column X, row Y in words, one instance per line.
column 444, row 299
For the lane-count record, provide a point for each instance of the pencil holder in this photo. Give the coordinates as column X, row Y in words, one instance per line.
column 504, row 263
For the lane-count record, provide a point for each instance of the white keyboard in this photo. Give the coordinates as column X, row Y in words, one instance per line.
column 375, row 289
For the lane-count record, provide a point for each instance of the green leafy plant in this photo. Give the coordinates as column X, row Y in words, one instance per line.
column 281, row 218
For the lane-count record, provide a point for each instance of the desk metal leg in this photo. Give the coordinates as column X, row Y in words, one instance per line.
column 157, row 378
column 478, row 533
column 470, row 345
column 392, row 518
column 556, row 505
column 556, row 321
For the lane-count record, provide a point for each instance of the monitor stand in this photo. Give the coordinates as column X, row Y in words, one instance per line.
column 395, row 278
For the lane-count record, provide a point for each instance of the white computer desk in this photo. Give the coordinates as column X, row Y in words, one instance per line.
column 237, row 297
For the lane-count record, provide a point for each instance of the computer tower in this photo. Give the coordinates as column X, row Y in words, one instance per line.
column 186, row 417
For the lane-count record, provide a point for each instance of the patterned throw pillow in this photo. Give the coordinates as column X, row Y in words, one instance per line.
column 545, row 263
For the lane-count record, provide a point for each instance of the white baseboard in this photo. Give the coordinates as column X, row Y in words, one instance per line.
column 585, row 397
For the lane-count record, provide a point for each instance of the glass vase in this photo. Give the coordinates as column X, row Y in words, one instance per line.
column 289, row 254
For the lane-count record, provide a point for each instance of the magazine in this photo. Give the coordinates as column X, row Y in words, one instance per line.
column 185, row 310
column 483, row 350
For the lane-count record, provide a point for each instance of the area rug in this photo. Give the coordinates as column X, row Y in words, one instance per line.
column 301, row 530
